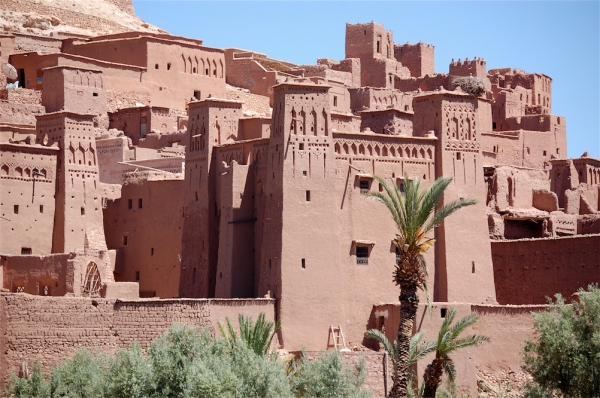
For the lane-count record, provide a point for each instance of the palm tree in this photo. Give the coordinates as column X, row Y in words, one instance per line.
column 416, row 351
column 415, row 215
column 257, row 336
column 447, row 343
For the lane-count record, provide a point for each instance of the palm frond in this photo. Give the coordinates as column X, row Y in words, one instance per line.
column 431, row 197
column 463, row 324
column 449, row 369
column 383, row 340
column 469, row 341
column 447, row 210
column 418, row 350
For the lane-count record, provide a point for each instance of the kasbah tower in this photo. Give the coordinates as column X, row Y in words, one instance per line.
column 149, row 179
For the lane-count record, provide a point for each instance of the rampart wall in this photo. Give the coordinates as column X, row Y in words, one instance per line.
column 50, row 329
column 529, row 270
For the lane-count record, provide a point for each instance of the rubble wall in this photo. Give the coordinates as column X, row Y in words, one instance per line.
column 529, row 270
column 50, row 329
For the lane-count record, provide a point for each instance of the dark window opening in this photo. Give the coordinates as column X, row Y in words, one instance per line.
column 303, row 263
column 41, row 208
column 544, row 153
column 83, row 211
column 169, row 66
column 206, row 71
column 130, row 204
column 197, row 94
column 443, row 312
column 301, row 146
column 95, row 94
column 137, row 275
column 16, row 209
column 26, row 250
column 194, row 69
column 362, row 255
column 400, row 185
column 155, row 66
column 304, row 173
column 364, row 186
column 334, row 100
column 139, row 203
column 125, row 240
column 457, row 155
column 494, row 125
column 308, row 196
column 152, row 251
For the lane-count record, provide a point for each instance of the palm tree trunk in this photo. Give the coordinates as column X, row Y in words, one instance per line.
column 409, row 302
column 433, row 377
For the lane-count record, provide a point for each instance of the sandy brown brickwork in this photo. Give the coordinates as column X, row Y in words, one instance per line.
column 50, row 329
column 251, row 102
column 24, row 96
column 116, row 100
column 529, row 270
column 19, row 113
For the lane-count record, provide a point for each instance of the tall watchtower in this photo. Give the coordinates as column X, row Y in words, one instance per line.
column 464, row 271
column 78, row 214
column 369, row 41
column 301, row 237
column 211, row 122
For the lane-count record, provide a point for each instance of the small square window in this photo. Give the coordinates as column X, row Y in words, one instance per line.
column 16, row 209
column 83, row 211
column 26, row 250
column 124, row 240
column 364, row 186
column 362, row 255
column 197, row 95
column 301, row 146
column 155, row 66
column 95, row 94
column 304, row 173
column 168, row 66
column 130, row 204
column 493, row 125
column 443, row 312
column 458, row 155
column 544, row 153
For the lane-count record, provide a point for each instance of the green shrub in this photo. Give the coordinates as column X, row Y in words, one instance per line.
column 130, row 375
column 83, row 376
column 328, row 377
column 33, row 387
column 565, row 359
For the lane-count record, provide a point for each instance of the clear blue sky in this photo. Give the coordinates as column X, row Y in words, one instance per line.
column 557, row 38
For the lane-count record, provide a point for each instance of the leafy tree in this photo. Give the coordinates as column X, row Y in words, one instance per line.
column 83, row 376
column 34, row 386
column 448, row 341
column 415, row 215
column 328, row 377
column 257, row 336
column 565, row 358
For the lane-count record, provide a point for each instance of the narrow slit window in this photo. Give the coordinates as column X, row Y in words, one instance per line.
column 130, row 204
column 303, row 263
column 362, row 255
column 308, row 196
column 139, row 203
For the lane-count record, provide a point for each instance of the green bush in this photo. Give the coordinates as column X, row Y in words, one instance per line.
column 328, row 377
column 187, row 362
column 565, row 359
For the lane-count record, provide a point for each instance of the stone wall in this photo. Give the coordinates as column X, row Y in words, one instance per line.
column 116, row 100
column 13, row 113
column 529, row 270
column 24, row 96
column 251, row 102
column 50, row 329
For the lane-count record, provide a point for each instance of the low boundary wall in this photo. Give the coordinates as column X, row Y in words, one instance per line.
column 50, row 329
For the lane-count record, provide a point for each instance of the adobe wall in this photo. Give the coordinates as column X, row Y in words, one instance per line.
column 110, row 152
column 526, row 271
column 73, row 89
column 147, row 232
column 251, row 102
column 28, row 204
column 388, row 122
column 29, row 43
column 174, row 140
column 50, row 329
column 24, row 96
column 15, row 113
column 418, row 58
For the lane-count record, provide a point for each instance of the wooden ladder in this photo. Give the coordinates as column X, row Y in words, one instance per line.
column 337, row 334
